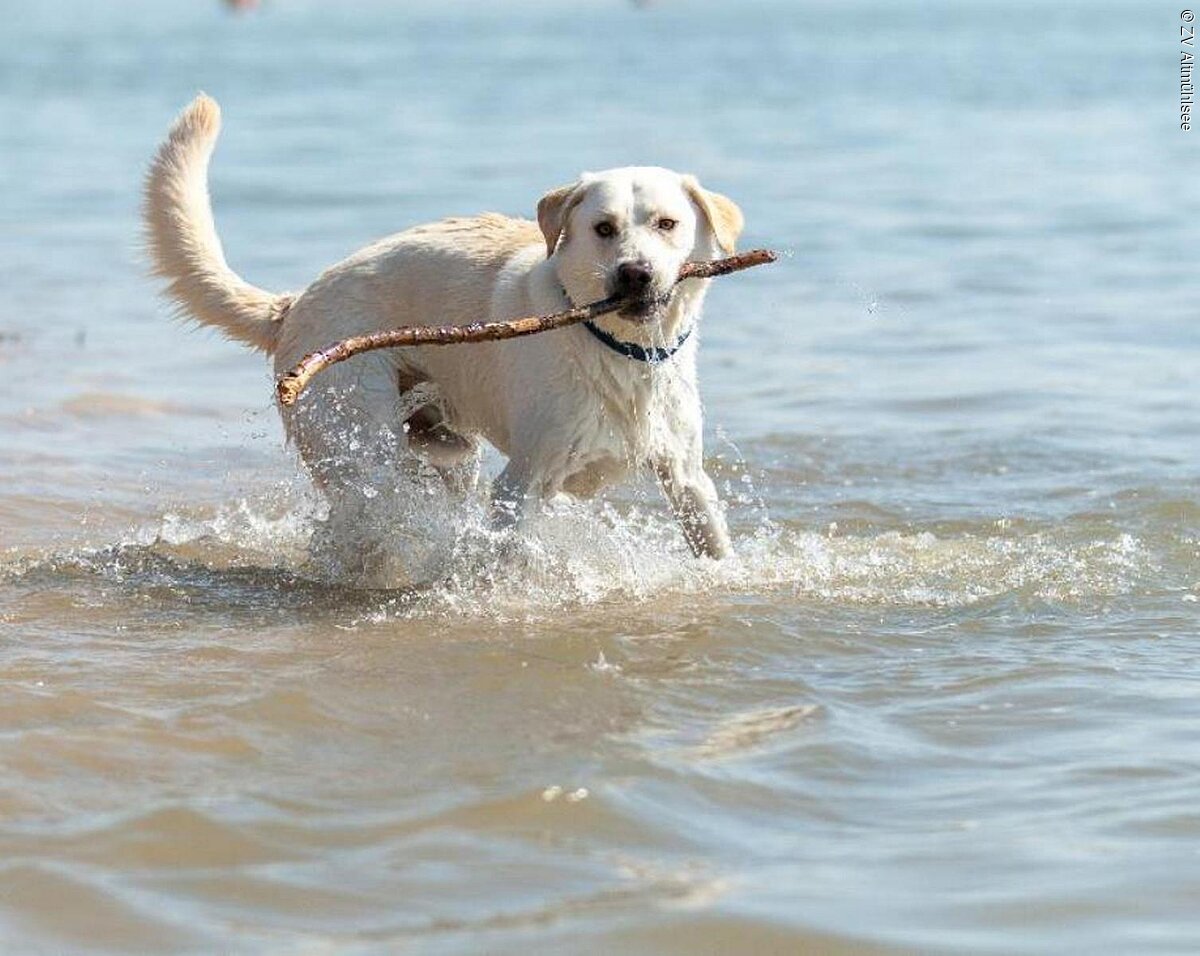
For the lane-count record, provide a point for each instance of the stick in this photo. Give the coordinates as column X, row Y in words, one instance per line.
column 289, row 386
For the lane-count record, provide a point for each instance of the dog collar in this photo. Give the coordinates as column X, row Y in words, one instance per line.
column 651, row 356
column 631, row 350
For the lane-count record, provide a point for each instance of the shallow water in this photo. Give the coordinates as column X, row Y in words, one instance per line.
column 945, row 697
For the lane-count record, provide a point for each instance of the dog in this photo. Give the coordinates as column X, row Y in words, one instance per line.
column 573, row 410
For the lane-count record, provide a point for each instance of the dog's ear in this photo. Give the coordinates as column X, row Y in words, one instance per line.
column 553, row 209
column 722, row 213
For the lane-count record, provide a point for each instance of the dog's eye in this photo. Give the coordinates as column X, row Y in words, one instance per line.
column 605, row 230
column 666, row 225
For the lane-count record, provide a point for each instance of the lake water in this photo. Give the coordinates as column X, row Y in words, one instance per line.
column 946, row 699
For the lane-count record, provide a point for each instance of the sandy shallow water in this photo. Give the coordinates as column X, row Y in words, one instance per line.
column 945, row 698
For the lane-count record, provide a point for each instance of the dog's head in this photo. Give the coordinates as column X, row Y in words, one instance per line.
column 627, row 231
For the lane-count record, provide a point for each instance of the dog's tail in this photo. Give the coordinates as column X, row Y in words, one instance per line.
column 183, row 241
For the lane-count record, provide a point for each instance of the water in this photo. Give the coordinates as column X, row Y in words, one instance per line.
column 944, row 700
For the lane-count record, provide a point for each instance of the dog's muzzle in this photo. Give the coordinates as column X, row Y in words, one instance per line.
column 635, row 281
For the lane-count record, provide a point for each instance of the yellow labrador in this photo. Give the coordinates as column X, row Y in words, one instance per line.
column 572, row 410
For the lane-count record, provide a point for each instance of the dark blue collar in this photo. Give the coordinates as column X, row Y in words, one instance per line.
column 651, row 356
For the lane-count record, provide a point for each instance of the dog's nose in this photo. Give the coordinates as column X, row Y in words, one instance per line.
column 634, row 278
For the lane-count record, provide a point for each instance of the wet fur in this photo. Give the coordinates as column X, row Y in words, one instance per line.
column 568, row 413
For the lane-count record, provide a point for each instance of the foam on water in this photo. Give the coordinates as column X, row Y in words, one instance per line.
column 575, row 554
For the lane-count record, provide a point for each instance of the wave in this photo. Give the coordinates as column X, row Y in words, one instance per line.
column 278, row 551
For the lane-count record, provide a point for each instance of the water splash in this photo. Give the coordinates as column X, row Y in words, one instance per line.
column 281, row 548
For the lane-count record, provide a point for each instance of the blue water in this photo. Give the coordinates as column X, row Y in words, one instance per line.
column 946, row 699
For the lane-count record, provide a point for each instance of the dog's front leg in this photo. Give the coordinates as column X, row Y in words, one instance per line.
column 510, row 496
column 694, row 500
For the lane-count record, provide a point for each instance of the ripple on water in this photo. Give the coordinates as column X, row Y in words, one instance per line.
column 97, row 916
column 252, row 557
column 407, row 844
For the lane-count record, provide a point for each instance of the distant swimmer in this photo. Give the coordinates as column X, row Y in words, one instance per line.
column 241, row 4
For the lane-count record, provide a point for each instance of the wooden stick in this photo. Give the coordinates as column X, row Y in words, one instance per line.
column 289, row 386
